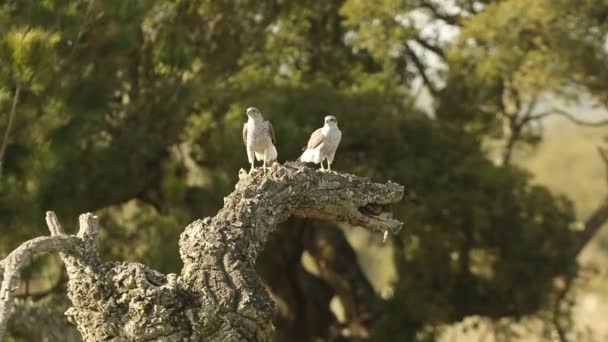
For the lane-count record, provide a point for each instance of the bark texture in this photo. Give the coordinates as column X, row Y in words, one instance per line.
column 218, row 295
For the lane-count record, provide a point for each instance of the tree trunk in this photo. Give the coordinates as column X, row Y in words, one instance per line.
column 218, row 295
column 303, row 297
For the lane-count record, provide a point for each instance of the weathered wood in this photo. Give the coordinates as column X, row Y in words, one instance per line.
column 217, row 296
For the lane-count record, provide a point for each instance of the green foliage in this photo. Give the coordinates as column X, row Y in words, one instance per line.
column 514, row 53
column 134, row 109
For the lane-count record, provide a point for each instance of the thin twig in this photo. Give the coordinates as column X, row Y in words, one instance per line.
column 569, row 116
column 11, row 119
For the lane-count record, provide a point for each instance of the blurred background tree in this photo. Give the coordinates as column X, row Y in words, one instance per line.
column 134, row 110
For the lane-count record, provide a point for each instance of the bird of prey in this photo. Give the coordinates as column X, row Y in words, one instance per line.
column 258, row 137
column 323, row 144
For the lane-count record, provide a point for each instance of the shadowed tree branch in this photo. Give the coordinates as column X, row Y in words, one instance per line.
column 433, row 48
column 338, row 266
column 217, row 296
column 598, row 217
column 303, row 298
column 50, row 324
column 421, row 70
column 592, row 225
column 57, row 286
column 439, row 14
column 9, row 125
column 514, row 120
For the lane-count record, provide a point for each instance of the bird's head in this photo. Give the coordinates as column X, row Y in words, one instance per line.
column 330, row 120
column 254, row 113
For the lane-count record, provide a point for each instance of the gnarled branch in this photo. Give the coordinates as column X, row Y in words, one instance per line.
column 12, row 265
column 218, row 296
column 222, row 271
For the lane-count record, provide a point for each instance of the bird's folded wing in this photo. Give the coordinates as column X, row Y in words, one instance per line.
column 245, row 134
column 271, row 132
column 316, row 138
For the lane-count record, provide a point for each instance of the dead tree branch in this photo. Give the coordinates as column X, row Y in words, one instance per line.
column 217, row 296
column 12, row 265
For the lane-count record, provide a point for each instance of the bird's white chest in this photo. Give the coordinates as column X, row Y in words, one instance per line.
column 331, row 138
column 257, row 136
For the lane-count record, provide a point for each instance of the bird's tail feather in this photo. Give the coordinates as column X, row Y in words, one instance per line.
column 310, row 156
column 271, row 154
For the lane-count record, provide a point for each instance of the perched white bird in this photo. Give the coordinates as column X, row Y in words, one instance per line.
column 258, row 137
column 323, row 144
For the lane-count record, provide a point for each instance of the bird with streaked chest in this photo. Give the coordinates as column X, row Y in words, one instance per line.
column 259, row 139
column 323, row 144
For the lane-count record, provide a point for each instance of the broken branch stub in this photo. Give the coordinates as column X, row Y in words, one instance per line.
column 218, row 296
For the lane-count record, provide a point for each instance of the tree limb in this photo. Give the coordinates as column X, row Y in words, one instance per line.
column 511, row 131
column 569, row 116
column 218, row 296
column 302, row 298
column 592, row 225
column 557, row 312
column 598, row 217
column 436, row 12
column 433, row 48
column 58, row 285
column 19, row 258
column 339, row 268
column 604, row 156
column 9, row 125
column 421, row 70
column 222, row 273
